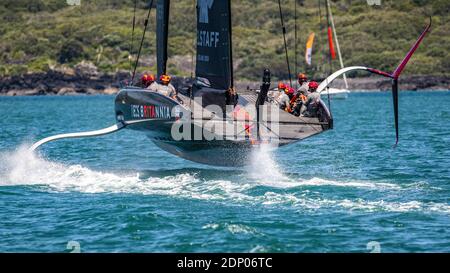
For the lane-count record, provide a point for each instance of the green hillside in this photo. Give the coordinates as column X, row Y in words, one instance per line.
column 40, row 34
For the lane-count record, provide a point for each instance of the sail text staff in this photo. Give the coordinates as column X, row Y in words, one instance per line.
column 208, row 38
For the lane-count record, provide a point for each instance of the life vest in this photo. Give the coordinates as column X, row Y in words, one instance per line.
column 294, row 99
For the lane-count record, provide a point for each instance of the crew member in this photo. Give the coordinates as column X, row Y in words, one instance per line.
column 282, row 99
column 290, row 92
column 147, row 80
column 297, row 102
column 302, row 91
column 311, row 105
column 273, row 94
column 231, row 96
column 303, row 83
column 164, row 87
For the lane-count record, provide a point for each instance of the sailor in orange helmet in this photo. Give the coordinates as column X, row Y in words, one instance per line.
column 303, row 84
column 273, row 94
column 281, row 86
column 164, row 87
column 147, row 80
column 282, row 98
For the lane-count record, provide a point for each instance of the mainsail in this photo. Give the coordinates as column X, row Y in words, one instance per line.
column 162, row 32
column 214, row 52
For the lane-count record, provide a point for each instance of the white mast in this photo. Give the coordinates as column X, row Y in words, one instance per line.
column 337, row 42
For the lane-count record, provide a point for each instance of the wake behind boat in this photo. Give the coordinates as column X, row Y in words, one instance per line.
column 209, row 121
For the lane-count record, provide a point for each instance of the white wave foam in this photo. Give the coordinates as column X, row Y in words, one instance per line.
column 355, row 184
column 271, row 198
column 264, row 168
column 265, row 171
column 233, row 228
column 25, row 168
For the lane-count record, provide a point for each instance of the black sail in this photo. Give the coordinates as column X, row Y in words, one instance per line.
column 214, row 55
column 162, row 32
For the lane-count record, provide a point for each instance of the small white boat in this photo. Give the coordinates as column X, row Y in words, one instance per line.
column 335, row 93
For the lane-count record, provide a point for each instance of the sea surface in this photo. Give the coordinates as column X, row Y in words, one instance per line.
column 346, row 190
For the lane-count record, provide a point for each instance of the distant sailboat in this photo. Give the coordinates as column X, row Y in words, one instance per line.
column 332, row 92
column 336, row 93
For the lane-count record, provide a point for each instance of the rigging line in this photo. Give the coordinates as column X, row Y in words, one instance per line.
column 308, row 123
column 337, row 44
column 329, row 55
column 194, row 42
column 320, row 46
column 132, row 38
column 277, row 135
column 230, row 33
column 295, row 43
column 142, row 40
column 285, row 43
column 305, row 122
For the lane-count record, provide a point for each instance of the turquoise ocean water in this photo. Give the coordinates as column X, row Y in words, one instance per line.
column 346, row 190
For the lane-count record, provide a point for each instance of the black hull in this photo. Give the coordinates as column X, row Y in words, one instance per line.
column 153, row 115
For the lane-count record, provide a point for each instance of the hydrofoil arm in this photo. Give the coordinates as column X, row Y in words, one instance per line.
column 101, row 132
column 394, row 76
column 337, row 74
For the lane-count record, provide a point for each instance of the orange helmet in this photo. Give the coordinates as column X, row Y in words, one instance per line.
column 165, row 79
column 151, row 78
column 281, row 86
column 148, row 78
column 302, row 76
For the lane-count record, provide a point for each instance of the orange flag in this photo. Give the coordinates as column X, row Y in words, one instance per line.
column 330, row 42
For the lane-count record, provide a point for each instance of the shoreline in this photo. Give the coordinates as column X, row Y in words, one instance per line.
column 18, row 94
column 378, row 84
column 85, row 82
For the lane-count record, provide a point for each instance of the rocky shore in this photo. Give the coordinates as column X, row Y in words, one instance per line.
column 85, row 79
column 373, row 84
